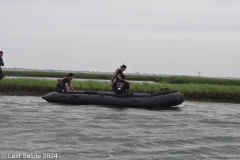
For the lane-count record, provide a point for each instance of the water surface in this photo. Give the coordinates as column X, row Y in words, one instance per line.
column 193, row 130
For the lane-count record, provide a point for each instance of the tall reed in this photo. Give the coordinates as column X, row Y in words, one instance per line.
column 202, row 92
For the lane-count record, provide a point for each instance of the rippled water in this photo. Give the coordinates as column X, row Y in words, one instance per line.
column 31, row 127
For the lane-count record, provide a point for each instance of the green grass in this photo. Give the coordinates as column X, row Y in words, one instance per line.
column 192, row 91
column 158, row 79
column 198, row 80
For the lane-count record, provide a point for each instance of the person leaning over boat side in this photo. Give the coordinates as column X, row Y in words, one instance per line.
column 121, row 86
column 117, row 72
column 64, row 84
column 1, row 64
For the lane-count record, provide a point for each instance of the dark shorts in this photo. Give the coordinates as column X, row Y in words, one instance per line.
column 58, row 89
column 1, row 74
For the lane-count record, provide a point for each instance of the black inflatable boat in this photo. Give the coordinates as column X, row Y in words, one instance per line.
column 138, row 100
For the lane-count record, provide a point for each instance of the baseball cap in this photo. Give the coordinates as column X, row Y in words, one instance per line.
column 123, row 66
column 70, row 74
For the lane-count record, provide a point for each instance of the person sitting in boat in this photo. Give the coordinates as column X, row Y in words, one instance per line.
column 117, row 72
column 64, row 84
column 121, row 86
column 1, row 64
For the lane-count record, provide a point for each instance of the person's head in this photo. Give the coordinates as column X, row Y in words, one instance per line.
column 121, row 76
column 70, row 76
column 1, row 53
column 123, row 67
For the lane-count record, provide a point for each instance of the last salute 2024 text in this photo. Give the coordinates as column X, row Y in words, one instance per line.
column 32, row 156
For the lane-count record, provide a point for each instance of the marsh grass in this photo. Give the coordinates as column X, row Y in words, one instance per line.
column 158, row 79
column 192, row 91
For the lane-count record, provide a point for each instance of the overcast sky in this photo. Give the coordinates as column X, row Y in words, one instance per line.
column 150, row 36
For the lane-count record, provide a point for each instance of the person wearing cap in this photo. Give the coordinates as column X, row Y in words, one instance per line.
column 117, row 72
column 1, row 64
column 64, row 84
column 121, row 86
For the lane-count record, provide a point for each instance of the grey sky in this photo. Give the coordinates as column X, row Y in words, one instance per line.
column 149, row 36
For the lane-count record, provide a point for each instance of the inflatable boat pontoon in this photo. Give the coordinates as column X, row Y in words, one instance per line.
column 137, row 100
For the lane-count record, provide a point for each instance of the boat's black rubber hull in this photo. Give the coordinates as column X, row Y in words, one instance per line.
column 108, row 98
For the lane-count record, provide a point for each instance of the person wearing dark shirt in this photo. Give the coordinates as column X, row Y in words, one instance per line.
column 121, row 86
column 64, row 84
column 117, row 72
column 1, row 64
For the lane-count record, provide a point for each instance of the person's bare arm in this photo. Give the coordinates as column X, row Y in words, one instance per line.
column 113, row 80
column 71, row 87
column 67, row 87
